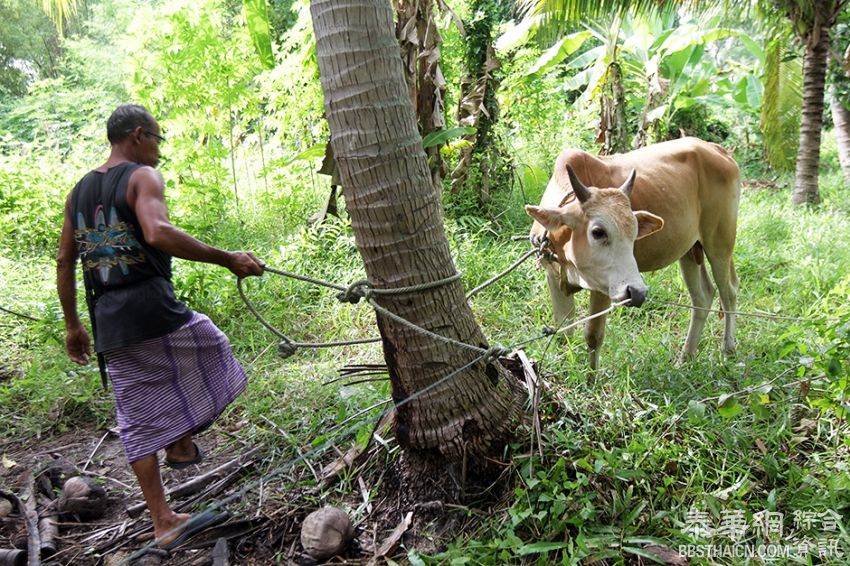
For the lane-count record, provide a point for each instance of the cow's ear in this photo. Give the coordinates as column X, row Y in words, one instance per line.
column 552, row 218
column 648, row 223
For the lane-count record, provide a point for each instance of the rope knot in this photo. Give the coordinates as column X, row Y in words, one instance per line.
column 354, row 292
column 494, row 353
column 541, row 245
column 548, row 330
column 286, row 349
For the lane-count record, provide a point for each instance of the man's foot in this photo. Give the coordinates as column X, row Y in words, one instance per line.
column 178, row 457
column 192, row 526
column 164, row 527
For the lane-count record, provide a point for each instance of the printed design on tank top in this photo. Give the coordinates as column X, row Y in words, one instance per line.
column 106, row 246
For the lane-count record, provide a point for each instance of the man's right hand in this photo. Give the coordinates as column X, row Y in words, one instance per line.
column 244, row 264
column 78, row 345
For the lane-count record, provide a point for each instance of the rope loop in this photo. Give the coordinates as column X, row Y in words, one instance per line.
column 541, row 247
column 494, row 353
column 354, row 292
column 548, row 330
column 287, row 349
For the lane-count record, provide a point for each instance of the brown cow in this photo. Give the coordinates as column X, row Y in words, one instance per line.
column 682, row 205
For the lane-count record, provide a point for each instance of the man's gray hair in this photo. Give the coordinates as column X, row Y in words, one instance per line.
column 125, row 119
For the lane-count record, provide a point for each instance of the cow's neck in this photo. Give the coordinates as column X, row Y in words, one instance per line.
column 571, row 277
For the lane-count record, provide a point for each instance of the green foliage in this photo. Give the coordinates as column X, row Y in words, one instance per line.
column 440, row 137
column 830, row 362
column 29, row 47
column 257, row 18
column 783, row 98
column 624, row 456
column 203, row 107
column 60, row 11
column 30, row 206
column 669, row 81
column 697, row 121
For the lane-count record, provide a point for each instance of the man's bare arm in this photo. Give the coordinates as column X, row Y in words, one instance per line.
column 146, row 196
column 77, row 340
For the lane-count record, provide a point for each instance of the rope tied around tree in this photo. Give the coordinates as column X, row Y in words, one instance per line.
column 353, row 293
column 494, row 353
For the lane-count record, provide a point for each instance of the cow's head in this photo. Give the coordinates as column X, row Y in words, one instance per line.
column 596, row 235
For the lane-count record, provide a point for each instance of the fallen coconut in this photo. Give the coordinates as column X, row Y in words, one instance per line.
column 82, row 497
column 326, row 532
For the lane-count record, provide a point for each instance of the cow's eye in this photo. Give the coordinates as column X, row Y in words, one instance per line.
column 598, row 233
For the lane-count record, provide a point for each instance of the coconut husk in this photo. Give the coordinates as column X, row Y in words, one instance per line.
column 326, row 532
column 83, row 498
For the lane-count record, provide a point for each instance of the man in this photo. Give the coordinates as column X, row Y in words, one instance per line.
column 172, row 370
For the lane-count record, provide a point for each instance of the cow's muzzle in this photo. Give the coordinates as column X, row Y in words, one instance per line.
column 636, row 296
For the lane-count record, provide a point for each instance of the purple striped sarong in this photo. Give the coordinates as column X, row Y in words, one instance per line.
column 170, row 386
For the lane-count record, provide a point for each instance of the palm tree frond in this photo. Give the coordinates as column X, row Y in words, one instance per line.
column 60, row 12
column 782, row 99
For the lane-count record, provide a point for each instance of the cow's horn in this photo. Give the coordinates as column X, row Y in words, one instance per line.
column 629, row 184
column 582, row 193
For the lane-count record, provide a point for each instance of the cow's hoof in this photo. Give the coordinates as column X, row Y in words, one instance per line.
column 683, row 359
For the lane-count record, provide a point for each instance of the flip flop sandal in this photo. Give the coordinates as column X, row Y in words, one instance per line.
column 195, row 525
column 199, row 457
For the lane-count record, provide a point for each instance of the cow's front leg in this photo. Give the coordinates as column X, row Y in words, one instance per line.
column 563, row 304
column 594, row 330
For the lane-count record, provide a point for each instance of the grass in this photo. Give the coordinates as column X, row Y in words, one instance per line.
column 626, row 456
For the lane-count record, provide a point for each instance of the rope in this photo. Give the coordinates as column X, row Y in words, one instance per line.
column 301, row 458
column 304, row 278
column 486, row 355
column 737, row 313
column 425, row 332
column 288, row 347
column 352, row 294
column 495, row 278
column 416, row 288
column 20, row 314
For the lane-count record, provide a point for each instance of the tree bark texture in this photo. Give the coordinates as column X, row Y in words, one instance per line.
column 396, row 216
column 478, row 106
column 613, row 129
column 841, row 119
column 811, row 123
column 420, row 41
column 656, row 93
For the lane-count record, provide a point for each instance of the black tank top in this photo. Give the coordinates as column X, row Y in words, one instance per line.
column 128, row 281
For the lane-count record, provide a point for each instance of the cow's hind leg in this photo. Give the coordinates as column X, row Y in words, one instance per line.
column 723, row 270
column 594, row 330
column 702, row 294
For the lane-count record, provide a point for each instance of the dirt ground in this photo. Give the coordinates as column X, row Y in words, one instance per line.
column 264, row 519
column 266, row 500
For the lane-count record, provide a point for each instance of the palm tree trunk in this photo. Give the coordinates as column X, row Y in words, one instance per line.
column 841, row 119
column 397, row 220
column 613, row 129
column 808, row 154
